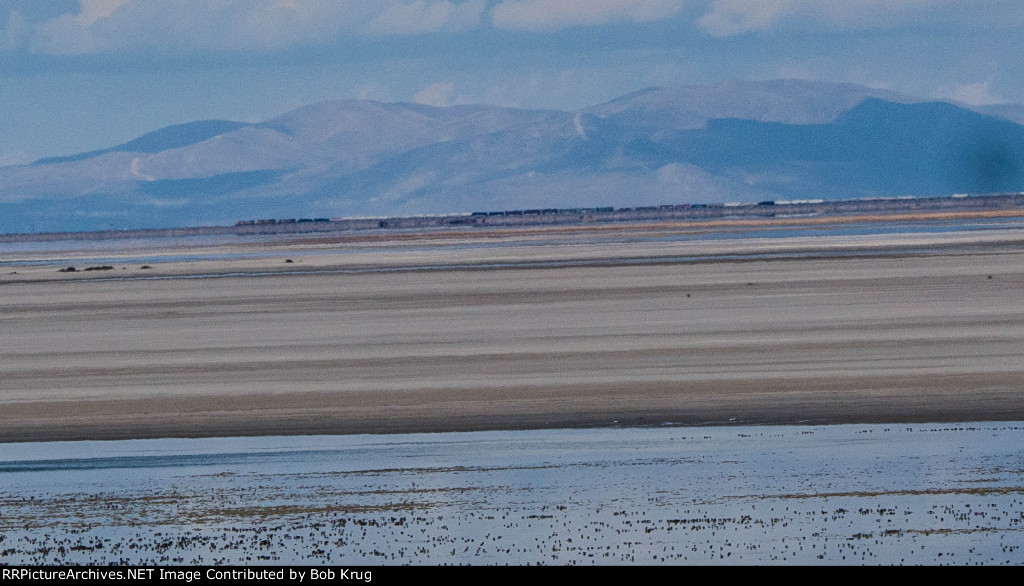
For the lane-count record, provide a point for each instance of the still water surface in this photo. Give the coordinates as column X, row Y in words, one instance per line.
column 847, row 494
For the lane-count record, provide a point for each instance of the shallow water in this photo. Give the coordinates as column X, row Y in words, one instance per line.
column 930, row 493
column 163, row 249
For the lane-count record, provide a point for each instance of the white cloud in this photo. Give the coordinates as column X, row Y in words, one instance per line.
column 93, row 10
column 733, row 17
column 420, row 16
column 546, row 15
column 64, row 36
column 438, row 94
column 13, row 32
column 974, row 94
column 247, row 25
column 373, row 91
column 71, row 34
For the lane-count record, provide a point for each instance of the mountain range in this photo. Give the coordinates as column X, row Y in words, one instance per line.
column 733, row 141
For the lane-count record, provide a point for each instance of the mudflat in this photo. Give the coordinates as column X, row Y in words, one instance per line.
column 532, row 331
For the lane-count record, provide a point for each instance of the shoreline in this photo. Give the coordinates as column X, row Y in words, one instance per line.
column 514, row 253
column 320, row 424
column 708, row 215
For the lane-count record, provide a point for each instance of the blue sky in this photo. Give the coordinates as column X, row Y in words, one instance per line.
column 78, row 75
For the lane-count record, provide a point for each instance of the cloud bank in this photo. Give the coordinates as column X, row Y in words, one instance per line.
column 261, row 26
column 240, row 25
column 546, row 15
column 735, row 17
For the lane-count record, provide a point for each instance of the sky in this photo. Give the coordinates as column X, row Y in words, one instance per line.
column 79, row 75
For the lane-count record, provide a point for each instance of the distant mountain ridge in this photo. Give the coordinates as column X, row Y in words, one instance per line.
column 169, row 137
column 734, row 141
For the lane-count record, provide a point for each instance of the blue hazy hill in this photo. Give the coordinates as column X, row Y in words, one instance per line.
column 170, row 137
column 875, row 148
column 738, row 141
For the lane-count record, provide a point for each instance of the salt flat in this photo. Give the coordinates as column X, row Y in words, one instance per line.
column 528, row 332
